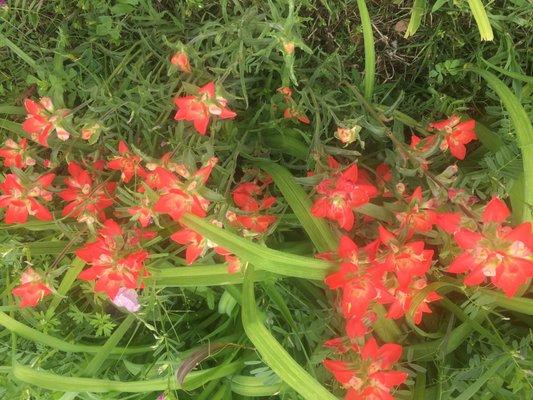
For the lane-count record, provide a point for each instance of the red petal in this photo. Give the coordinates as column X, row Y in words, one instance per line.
column 495, row 211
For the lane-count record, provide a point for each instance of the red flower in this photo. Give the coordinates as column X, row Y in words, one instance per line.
column 87, row 203
column 126, row 162
column 14, row 154
column 371, row 378
column 456, row 134
column 403, row 298
column 42, row 119
column 31, row 290
column 256, row 223
column 339, row 195
column 112, row 264
column 180, row 59
column 407, row 260
column 234, row 263
column 505, row 256
column 196, row 244
column 495, row 211
column 198, row 109
column 176, row 203
column 20, row 201
column 292, row 113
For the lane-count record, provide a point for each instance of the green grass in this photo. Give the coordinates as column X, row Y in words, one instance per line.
column 109, row 62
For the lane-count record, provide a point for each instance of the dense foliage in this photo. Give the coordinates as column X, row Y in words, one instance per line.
column 281, row 199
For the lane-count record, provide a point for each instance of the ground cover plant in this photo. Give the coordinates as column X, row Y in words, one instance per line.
column 266, row 199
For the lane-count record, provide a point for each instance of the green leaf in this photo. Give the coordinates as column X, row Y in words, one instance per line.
column 253, row 386
column 60, row 383
column 370, row 52
column 19, row 52
column 317, row 229
column 262, row 257
column 417, row 12
column 519, row 304
column 34, row 335
column 524, row 132
column 272, row 353
column 482, row 20
column 197, row 275
column 478, row 384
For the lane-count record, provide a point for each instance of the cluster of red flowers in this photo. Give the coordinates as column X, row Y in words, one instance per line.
column 341, row 193
column 370, row 375
column 247, row 197
column 116, row 258
column 392, row 269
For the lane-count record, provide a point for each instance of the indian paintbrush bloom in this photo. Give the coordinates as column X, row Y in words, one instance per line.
column 457, row 134
column 14, row 154
column 180, row 60
column 31, row 289
column 42, row 119
column 500, row 253
column 126, row 162
column 20, row 200
column 199, row 109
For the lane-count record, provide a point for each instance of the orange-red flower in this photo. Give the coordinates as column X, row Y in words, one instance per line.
column 195, row 243
column 31, row 289
column 371, row 377
column 113, row 264
column 180, row 59
column 21, row 200
column 502, row 254
column 42, row 119
column 126, row 162
column 198, row 109
column 340, row 195
column 14, row 154
column 87, row 202
column 457, row 134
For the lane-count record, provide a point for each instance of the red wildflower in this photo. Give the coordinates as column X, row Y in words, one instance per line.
column 234, row 263
column 127, row 163
column 112, row 264
column 176, row 203
column 256, row 223
column 42, row 119
column 407, row 260
column 292, row 113
column 456, row 134
column 20, row 201
column 14, row 154
column 372, row 377
column 339, row 195
column 180, row 59
column 503, row 255
column 87, row 203
column 196, row 244
column 495, row 211
column 31, row 289
column 198, row 109
column 403, row 298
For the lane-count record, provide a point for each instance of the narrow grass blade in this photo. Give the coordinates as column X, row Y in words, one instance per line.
column 482, row 20
column 519, row 304
column 317, row 229
column 524, row 132
column 262, row 257
column 370, row 52
column 35, row 336
column 478, row 384
column 12, row 110
column 19, row 52
column 65, row 285
column 417, row 12
column 510, row 74
column 60, row 383
column 272, row 353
